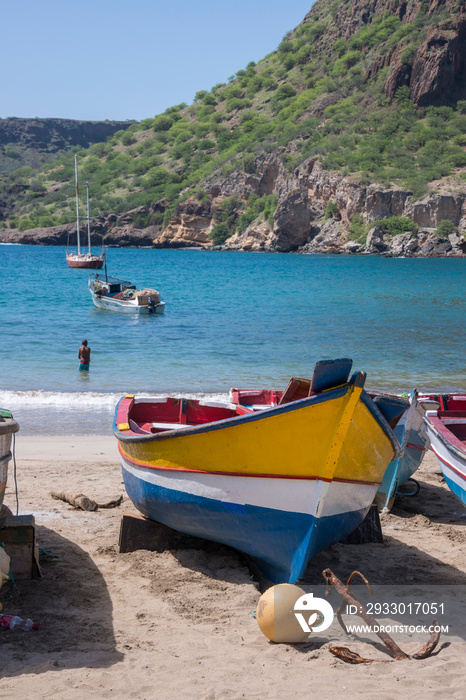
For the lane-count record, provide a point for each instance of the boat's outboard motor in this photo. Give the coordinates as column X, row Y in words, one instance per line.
column 152, row 305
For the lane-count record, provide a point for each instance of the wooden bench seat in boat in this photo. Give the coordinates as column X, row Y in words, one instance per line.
column 150, row 428
column 328, row 374
column 171, row 426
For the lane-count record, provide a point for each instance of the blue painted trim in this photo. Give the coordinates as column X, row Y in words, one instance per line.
column 329, row 374
column 280, row 542
column 456, row 489
column 402, row 468
column 391, row 407
column 115, row 429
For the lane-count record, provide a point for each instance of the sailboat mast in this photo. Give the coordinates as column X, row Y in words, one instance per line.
column 77, row 202
column 88, row 219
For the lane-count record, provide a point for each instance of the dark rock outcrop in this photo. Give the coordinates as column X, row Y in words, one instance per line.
column 437, row 69
column 302, row 199
column 111, row 232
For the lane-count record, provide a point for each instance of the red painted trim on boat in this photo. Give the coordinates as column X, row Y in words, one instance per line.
column 447, row 435
column 450, row 466
column 256, row 476
column 415, row 447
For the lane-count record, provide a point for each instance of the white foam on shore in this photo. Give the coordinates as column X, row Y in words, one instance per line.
column 40, row 399
column 72, row 400
column 75, row 413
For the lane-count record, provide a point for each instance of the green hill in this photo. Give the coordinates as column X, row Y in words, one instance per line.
column 377, row 91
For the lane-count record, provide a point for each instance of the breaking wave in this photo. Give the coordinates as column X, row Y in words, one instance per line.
column 84, row 399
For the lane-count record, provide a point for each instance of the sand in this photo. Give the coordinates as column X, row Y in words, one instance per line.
column 179, row 624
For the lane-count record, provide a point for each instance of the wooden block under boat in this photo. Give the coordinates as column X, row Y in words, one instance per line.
column 138, row 532
column 18, row 538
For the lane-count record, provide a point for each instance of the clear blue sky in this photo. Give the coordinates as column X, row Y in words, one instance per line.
column 129, row 59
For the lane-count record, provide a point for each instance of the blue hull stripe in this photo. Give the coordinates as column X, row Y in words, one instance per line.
column 280, row 542
column 456, row 488
column 400, row 469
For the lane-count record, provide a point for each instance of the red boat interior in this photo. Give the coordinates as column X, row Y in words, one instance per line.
column 452, row 403
column 153, row 416
column 328, row 374
column 256, row 397
column 452, row 413
column 391, row 407
column 455, row 421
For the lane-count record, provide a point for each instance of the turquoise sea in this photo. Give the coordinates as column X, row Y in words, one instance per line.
column 231, row 319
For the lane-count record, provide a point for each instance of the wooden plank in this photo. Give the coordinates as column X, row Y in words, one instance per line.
column 18, row 538
column 297, row 388
column 138, row 532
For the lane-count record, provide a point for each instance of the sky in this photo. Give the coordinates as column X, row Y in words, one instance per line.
column 129, row 59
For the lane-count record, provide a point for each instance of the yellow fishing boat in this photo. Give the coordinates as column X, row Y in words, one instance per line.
column 281, row 484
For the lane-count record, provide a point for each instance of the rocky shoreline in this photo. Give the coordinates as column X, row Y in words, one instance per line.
column 299, row 221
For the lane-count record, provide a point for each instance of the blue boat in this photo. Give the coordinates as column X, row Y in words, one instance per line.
column 411, row 432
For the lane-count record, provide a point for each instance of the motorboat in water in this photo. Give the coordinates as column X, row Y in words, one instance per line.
column 114, row 294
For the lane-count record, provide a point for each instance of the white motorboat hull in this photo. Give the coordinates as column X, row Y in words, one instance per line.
column 126, row 307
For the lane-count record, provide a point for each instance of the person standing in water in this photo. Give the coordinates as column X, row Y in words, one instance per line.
column 84, row 355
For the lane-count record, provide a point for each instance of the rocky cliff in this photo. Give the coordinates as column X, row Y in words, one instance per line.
column 299, row 219
column 432, row 68
column 359, row 116
column 299, row 223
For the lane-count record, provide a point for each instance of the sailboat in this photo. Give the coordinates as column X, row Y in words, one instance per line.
column 81, row 259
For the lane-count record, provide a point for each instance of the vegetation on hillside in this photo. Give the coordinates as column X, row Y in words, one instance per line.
column 314, row 96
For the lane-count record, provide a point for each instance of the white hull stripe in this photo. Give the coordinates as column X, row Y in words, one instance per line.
column 456, row 468
column 312, row 497
column 452, row 471
column 454, row 476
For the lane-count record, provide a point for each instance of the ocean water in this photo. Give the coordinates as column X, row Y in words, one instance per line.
column 231, row 319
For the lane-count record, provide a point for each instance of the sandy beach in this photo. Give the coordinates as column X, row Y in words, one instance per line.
column 179, row 623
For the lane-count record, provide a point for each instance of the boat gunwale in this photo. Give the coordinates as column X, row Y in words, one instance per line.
column 231, row 422
column 8, row 425
column 449, row 439
column 84, row 256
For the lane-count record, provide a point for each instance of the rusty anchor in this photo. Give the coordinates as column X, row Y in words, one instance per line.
column 351, row 657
